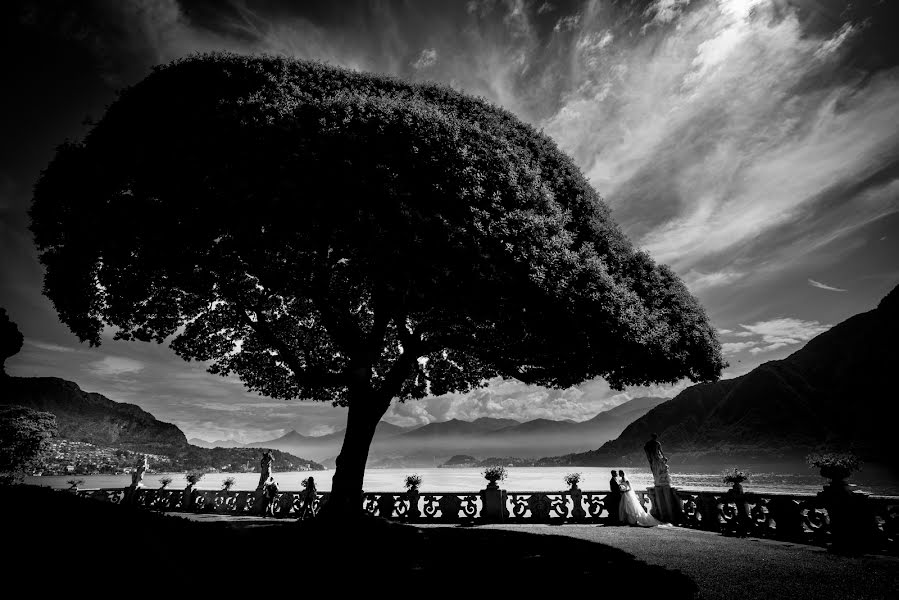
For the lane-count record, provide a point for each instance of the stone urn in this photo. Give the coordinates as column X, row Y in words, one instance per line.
column 838, row 476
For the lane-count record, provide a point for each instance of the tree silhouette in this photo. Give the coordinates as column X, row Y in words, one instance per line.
column 340, row 236
column 10, row 340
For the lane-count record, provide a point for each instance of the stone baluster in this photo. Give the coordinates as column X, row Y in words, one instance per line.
column 494, row 503
column 853, row 525
column 412, row 496
column 577, row 513
column 787, row 516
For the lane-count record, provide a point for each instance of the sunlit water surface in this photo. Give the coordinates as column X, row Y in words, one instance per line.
column 546, row 479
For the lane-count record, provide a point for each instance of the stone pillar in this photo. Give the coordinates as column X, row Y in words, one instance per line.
column 412, row 495
column 852, row 522
column 494, row 499
column 577, row 512
column 666, row 506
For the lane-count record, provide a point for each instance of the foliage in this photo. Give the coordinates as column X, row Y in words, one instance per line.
column 228, row 483
column 25, row 436
column 495, row 473
column 10, row 339
column 834, row 460
column 573, row 479
column 74, row 483
column 736, row 476
column 413, row 480
column 329, row 218
column 194, row 478
column 164, row 482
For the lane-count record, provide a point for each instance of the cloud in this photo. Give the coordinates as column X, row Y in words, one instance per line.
column 735, row 347
column 567, row 23
column 515, row 400
column 427, row 58
column 726, row 146
column 770, row 335
column 665, row 11
column 49, row 347
column 698, row 281
column 777, row 333
column 112, row 366
column 824, row 286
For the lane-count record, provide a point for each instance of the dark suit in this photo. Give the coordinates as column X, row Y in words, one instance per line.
column 613, row 499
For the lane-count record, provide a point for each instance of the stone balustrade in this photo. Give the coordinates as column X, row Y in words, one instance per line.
column 815, row 519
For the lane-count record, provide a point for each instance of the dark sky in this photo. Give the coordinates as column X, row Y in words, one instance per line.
column 750, row 144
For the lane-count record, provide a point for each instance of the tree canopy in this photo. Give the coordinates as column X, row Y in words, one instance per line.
column 10, row 340
column 24, row 440
column 307, row 227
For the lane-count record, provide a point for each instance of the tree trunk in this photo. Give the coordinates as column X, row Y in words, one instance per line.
column 345, row 500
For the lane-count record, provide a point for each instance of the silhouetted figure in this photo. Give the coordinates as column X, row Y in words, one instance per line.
column 613, row 499
column 269, row 493
column 309, row 494
column 137, row 475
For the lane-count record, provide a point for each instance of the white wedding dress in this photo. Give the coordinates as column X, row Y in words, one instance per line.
column 630, row 511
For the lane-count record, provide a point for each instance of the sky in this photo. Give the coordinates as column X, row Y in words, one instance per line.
column 752, row 145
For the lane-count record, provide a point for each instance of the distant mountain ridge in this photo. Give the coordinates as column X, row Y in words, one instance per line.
column 435, row 442
column 838, row 391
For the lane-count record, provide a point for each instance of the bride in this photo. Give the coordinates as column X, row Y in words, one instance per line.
column 630, row 510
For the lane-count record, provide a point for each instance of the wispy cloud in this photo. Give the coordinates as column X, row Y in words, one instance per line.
column 728, row 128
column 735, row 347
column 780, row 333
column 112, row 366
column 824, row 286
column 48, row 346
column 427, row 58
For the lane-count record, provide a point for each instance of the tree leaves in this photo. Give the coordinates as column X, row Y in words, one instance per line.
column 311, row 229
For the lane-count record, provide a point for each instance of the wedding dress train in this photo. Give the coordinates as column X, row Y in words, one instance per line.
column 630, row 511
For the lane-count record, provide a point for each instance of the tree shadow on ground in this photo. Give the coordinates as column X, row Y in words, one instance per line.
column 59, row 533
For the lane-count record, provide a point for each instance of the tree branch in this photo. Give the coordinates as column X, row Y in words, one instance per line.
column 305, row 374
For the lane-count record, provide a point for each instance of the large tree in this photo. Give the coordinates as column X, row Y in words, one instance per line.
column 10, row 340
column 340, row 236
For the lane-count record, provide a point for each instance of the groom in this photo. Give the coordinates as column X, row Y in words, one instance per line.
column 613, row 499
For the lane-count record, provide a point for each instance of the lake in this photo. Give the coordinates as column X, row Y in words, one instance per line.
column 520, row 479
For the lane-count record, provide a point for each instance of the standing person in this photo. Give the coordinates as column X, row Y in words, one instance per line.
column 269, row 493
column 309, row 496
column 631, row 511
column 613, row 498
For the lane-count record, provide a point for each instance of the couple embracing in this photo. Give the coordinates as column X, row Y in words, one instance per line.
column 624, row 506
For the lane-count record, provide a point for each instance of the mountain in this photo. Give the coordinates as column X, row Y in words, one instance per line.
column 457, row 427
column 216, row 444
column 92, row 418
column 89, row 417
column 321, row 447
column 837, row 391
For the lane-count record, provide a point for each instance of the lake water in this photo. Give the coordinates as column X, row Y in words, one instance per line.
column 545, row 479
